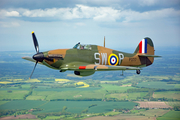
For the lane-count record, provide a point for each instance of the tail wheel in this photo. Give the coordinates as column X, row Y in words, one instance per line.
column 138, row 71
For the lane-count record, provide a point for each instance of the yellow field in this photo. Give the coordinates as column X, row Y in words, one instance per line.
column 159, row 77
column 62, row 80
column 33, row 80
column 5, row 82
column 17, row 79
column 82, row 83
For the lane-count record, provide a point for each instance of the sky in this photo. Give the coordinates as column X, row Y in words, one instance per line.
column 60, row 24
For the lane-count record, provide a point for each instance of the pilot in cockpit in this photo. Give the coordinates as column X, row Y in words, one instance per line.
column 82, row 47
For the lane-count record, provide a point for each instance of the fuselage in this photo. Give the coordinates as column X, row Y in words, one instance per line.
column 93, row 55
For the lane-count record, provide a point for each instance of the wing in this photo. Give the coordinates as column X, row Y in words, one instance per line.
column 79, row 66
column 108, row 67
column 30, row 59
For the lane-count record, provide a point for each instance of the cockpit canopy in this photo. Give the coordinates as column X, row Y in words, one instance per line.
column 82, row 46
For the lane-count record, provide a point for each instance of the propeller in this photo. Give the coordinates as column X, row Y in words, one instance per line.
column 39, row 56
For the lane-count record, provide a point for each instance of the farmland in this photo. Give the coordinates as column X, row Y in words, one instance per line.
column 115, row 88
column 72, row 106
column 123, row 117
column 154, row 105
column 15, row 94
column 52, row 95
column 171, row 115
column 159, row 85
column 168, row 94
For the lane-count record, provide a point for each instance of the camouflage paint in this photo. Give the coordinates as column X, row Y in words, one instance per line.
column 96, row 58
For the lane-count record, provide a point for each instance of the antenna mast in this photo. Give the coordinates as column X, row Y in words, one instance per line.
column 104, row 41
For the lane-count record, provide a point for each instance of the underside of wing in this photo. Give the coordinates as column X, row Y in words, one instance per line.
column 86, row 69
column 91, row 67
column 108, row 67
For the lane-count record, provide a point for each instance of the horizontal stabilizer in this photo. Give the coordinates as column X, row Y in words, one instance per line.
column 146, row 55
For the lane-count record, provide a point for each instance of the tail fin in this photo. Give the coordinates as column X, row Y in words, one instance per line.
column 145, row 51
column 145, row 47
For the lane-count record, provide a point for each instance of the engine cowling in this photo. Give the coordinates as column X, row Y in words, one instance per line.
column 84, row 73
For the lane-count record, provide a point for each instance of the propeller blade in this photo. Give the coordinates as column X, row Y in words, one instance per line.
column 35, row 42
column 33, row 70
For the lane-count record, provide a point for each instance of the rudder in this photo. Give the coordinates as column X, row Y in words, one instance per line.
column 145, row 47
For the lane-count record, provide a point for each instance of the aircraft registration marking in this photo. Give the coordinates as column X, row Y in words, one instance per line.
column 132, row 59
column 103, row 59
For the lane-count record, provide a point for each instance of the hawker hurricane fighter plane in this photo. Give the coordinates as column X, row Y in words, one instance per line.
column 85, row 60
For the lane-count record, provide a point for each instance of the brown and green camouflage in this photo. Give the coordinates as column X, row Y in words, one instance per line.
column 84, row 60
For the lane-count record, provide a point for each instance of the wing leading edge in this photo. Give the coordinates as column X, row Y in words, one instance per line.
column 89, row 67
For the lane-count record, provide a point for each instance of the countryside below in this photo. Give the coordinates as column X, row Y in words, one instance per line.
column 49, row 94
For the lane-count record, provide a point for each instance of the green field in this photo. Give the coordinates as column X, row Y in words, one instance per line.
column 110, row 87
column 177, row 86
column 65, row 93
column 46, row 88
column 21, row 104
column 159, row 85
column 75, row 94
column 3, row 102
column 26, row 86
column 168, row 94
column 72, row 106
column 171, row 115
column 128, row 96
column 48, row 93
column 135, row 95
column 53, row 117
column 31, row 97
column 173, row 103
column 119, row 96
column 15, row 94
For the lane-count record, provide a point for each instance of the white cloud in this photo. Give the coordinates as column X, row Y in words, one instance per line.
column 102, row 14
column 12, row 14
column 130, row 15
column 5, row 13
column 121, row 22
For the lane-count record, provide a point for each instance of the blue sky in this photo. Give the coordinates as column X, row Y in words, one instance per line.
column 62, row 23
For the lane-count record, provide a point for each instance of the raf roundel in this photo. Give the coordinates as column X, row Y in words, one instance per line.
column 113, row 59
